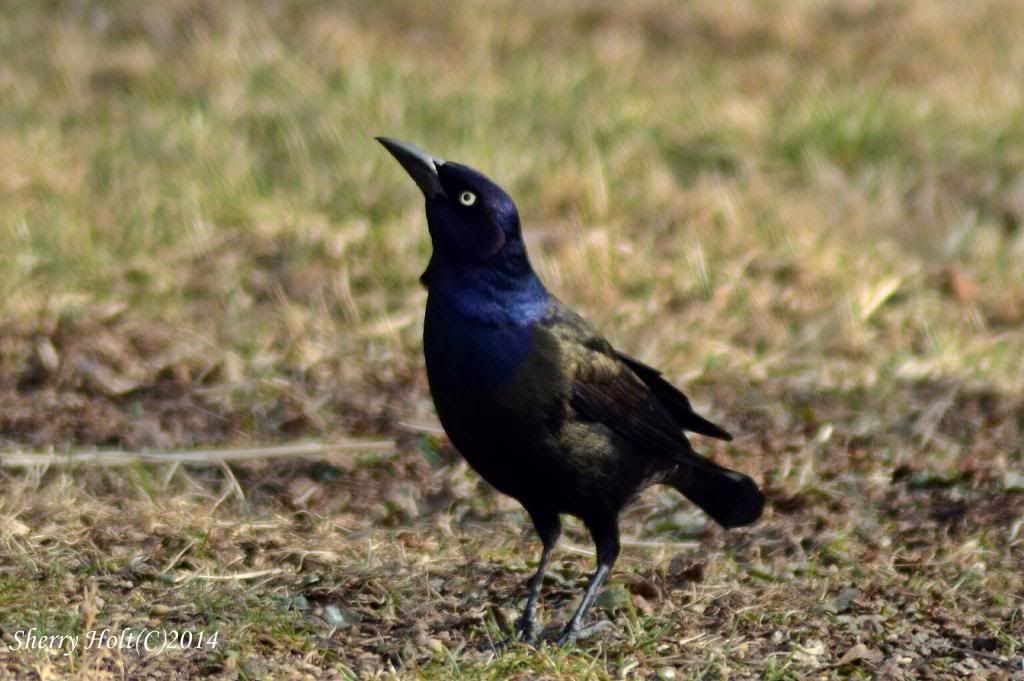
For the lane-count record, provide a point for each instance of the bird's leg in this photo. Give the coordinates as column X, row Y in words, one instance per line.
column 606, row 539
column 572, row 630
column 526, row 625
column 548, row 528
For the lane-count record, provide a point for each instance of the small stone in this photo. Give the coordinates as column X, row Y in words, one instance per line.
column 760, row 571
column 1013, row 481
column 340, row 616
column 48, row 356
column 434, row 646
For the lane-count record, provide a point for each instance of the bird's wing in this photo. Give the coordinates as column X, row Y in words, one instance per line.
column 604, row 388
column 673, row 399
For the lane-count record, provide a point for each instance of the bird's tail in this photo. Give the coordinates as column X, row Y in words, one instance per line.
column 730, row 498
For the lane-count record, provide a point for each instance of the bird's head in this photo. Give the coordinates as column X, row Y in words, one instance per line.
column 473, row 222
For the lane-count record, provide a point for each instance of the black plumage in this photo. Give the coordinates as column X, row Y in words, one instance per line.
column 538, row 403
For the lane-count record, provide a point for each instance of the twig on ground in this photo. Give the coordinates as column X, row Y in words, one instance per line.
column 203, row 456
column 237, row 577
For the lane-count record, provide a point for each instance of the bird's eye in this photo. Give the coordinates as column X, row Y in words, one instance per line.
column 467, row 198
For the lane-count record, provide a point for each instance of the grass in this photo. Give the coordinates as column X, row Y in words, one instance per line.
column 808, row 214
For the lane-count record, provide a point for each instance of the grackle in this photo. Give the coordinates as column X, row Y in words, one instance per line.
column 539, row 404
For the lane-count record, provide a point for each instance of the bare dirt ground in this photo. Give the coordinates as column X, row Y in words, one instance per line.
column 355, row 563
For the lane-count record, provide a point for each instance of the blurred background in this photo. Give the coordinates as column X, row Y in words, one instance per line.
column 192, row 199
column 807, row 213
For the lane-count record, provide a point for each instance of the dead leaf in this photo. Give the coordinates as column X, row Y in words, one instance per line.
column 48, row 356
column 809, row 652
column 15, row 527
column 642, row 604
column 644, row 588
column 682, row 568
column 861, row 652
column 103, row 379
column 959, row 285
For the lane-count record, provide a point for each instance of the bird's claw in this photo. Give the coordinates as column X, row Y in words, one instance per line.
column 526, row 631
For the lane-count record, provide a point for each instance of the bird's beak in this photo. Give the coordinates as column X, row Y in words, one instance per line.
column 420, row 165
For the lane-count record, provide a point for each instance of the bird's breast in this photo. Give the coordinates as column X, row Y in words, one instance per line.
column 470, row 357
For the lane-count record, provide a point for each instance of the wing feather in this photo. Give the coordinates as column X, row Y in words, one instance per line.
column 605, row 388
column 673, row 399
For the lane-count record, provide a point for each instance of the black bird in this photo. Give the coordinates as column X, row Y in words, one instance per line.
column 539, row 404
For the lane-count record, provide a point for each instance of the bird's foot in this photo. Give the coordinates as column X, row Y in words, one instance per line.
column 526, row 630
column 571, row 635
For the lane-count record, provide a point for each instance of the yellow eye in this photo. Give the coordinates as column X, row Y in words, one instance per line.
column 467, row 198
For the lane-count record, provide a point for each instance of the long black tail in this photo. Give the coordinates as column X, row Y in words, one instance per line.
column 730, row 498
